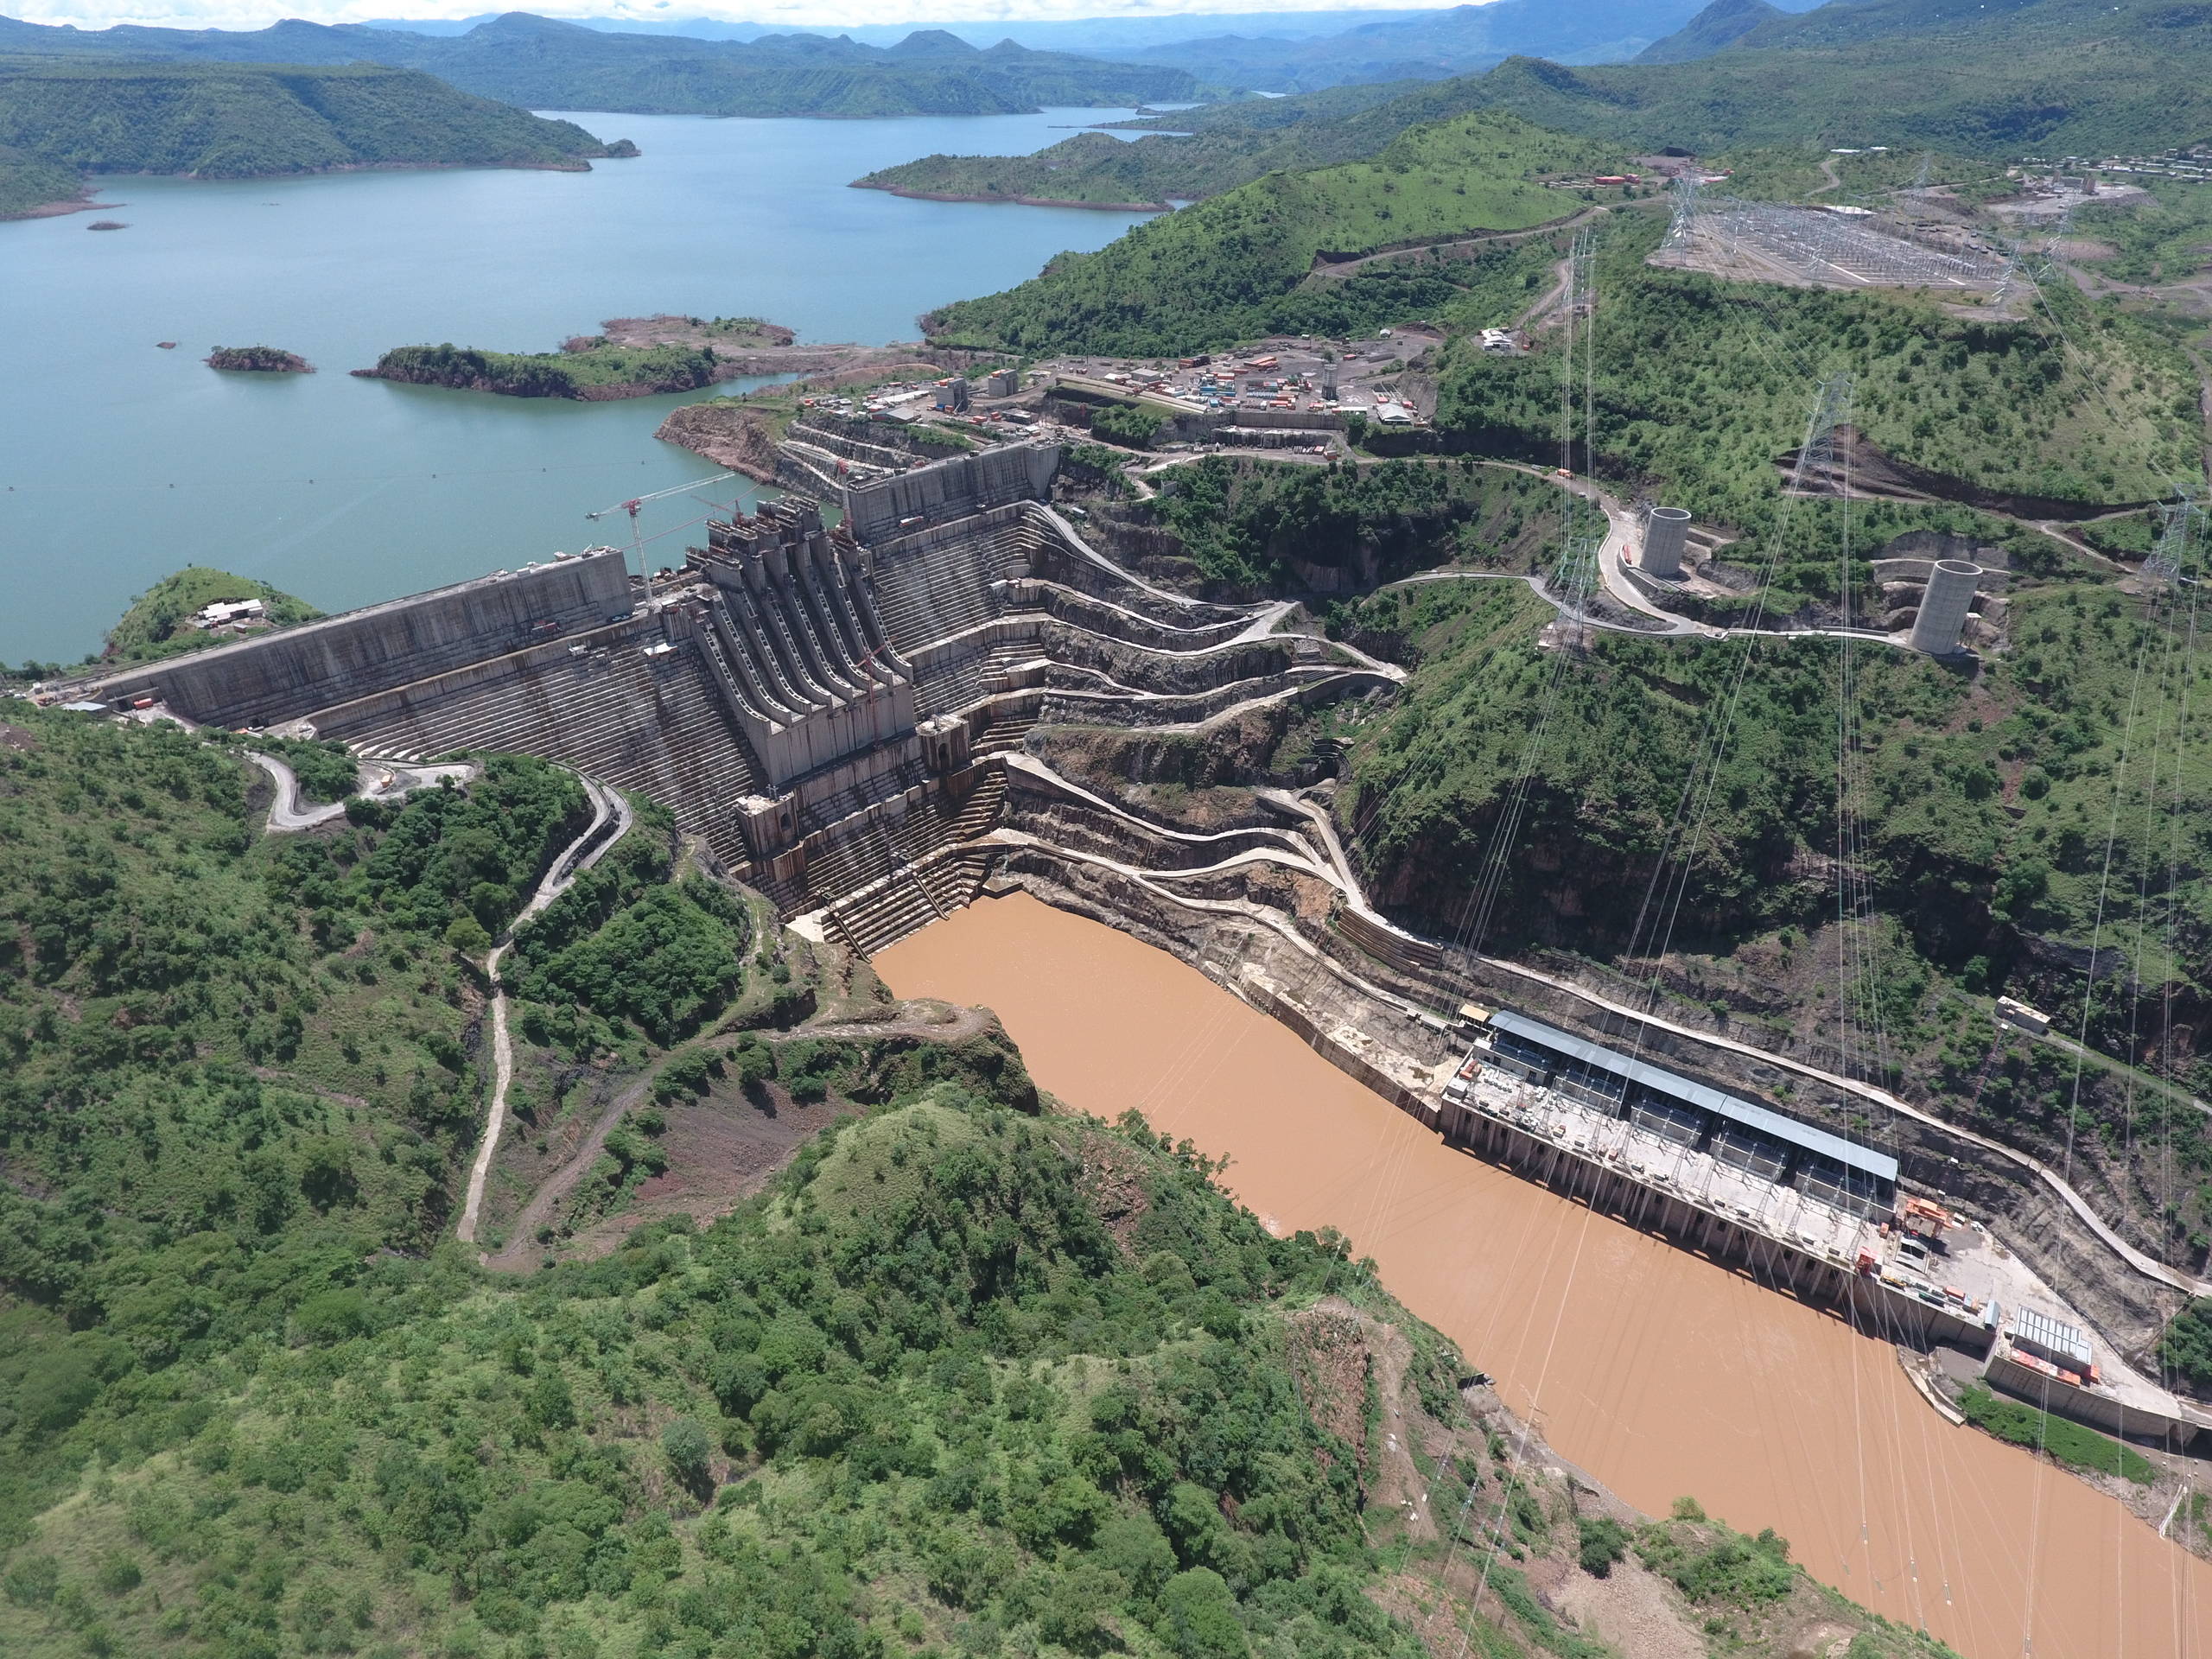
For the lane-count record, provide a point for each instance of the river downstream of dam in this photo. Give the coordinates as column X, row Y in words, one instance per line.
column 1655, row 1371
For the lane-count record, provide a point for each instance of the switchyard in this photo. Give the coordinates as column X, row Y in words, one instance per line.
column 1826, row 247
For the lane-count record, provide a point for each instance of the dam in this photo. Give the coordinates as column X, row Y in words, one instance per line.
column 845, row 698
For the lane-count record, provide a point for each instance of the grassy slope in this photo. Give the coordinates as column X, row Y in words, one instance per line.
column 966, row 1375
column 237, row 120
column 1220, row 272
column 153, row 628
column 1703, row 384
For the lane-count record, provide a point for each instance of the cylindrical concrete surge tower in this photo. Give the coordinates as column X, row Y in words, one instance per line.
column 1665, row 529
column 1943, row 608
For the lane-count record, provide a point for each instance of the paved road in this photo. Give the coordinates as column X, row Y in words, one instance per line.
column 375, row 781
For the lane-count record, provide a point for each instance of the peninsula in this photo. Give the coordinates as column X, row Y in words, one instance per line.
column 61, row 121
column 640, row 357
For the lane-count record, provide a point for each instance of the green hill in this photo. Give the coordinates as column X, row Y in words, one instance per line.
column 1702, row 386
column 28, row 181
column 1226, row 269
column 154, row 626
column 543, row 63
column 241, row 120
column 972, row 1376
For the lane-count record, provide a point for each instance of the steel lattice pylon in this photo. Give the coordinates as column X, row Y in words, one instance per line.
column 1678, row 228
column 2184, row 527
column 1820, row 461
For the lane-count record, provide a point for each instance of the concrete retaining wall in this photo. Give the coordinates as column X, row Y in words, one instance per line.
column 2097, row 1410
column 1019, row 472
column 283, row 676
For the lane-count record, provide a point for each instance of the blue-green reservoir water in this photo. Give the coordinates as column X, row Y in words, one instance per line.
column 120, row 462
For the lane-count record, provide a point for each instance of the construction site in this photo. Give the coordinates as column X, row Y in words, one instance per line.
column 842, row 709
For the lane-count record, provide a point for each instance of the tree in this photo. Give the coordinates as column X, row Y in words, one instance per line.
column 689, row 1451
column 466, row 935
column 1198, row 1617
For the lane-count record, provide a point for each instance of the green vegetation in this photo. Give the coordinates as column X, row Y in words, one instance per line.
column 2068, row 1442
column 1712, row 1565
column 1230, row 268
column 237, row 1082
column 1131, row 424
column 2162, row 242
column 257, row 360
column 154, row 626
column 1247, row 523
column 1703, row 384
column 28, row 181
column 1992, row 805
column 241, row 120
column 326, row 768
column 543, row 63
column 600, row 370
column 2186, row 1345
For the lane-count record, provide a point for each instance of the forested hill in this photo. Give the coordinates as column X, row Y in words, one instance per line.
column 972, row 1376
column 241, row 120
column 541, row 63
column 1228, row 268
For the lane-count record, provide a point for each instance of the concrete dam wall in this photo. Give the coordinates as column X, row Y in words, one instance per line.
column 284, row 675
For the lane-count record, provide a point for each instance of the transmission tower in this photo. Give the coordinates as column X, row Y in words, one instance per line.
column 1821, row 460
column 1678, row 228
column 1927, row 161
column 2183, row 527
column 1582, row 522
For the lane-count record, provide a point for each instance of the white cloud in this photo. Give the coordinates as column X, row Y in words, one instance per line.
column 251, row 14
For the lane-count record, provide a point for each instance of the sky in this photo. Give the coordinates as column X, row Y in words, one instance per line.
column 256, row 14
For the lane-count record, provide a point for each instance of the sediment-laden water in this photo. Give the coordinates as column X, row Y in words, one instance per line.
column 1660, row 1373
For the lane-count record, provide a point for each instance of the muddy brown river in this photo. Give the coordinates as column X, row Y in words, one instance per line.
column 1658, row 1372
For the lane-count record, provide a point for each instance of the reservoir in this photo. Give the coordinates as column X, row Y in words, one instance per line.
column 120, row 462
column 1659, row 1373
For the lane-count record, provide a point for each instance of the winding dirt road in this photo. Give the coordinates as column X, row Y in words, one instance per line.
column 586, row 850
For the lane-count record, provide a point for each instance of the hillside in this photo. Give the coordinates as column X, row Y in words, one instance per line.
column 155, row 628
column 1225, row 270
column 28, row 181
column 1720, row 24
column 2104, row 414
column 543, row 63
column 970, row 1373
column 244, row 120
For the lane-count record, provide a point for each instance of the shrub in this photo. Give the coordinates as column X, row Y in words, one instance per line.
column 1604, row 1541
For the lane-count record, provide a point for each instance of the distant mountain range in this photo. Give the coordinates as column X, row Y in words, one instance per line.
column 1078, row 35
column 541, row 63
column 2045, row 76
column 1457, row 41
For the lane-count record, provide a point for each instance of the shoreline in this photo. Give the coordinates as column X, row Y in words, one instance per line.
column 82, row 201
column 1012, row 201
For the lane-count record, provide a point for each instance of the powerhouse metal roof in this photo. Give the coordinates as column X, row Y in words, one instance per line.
column 1879, row 1165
